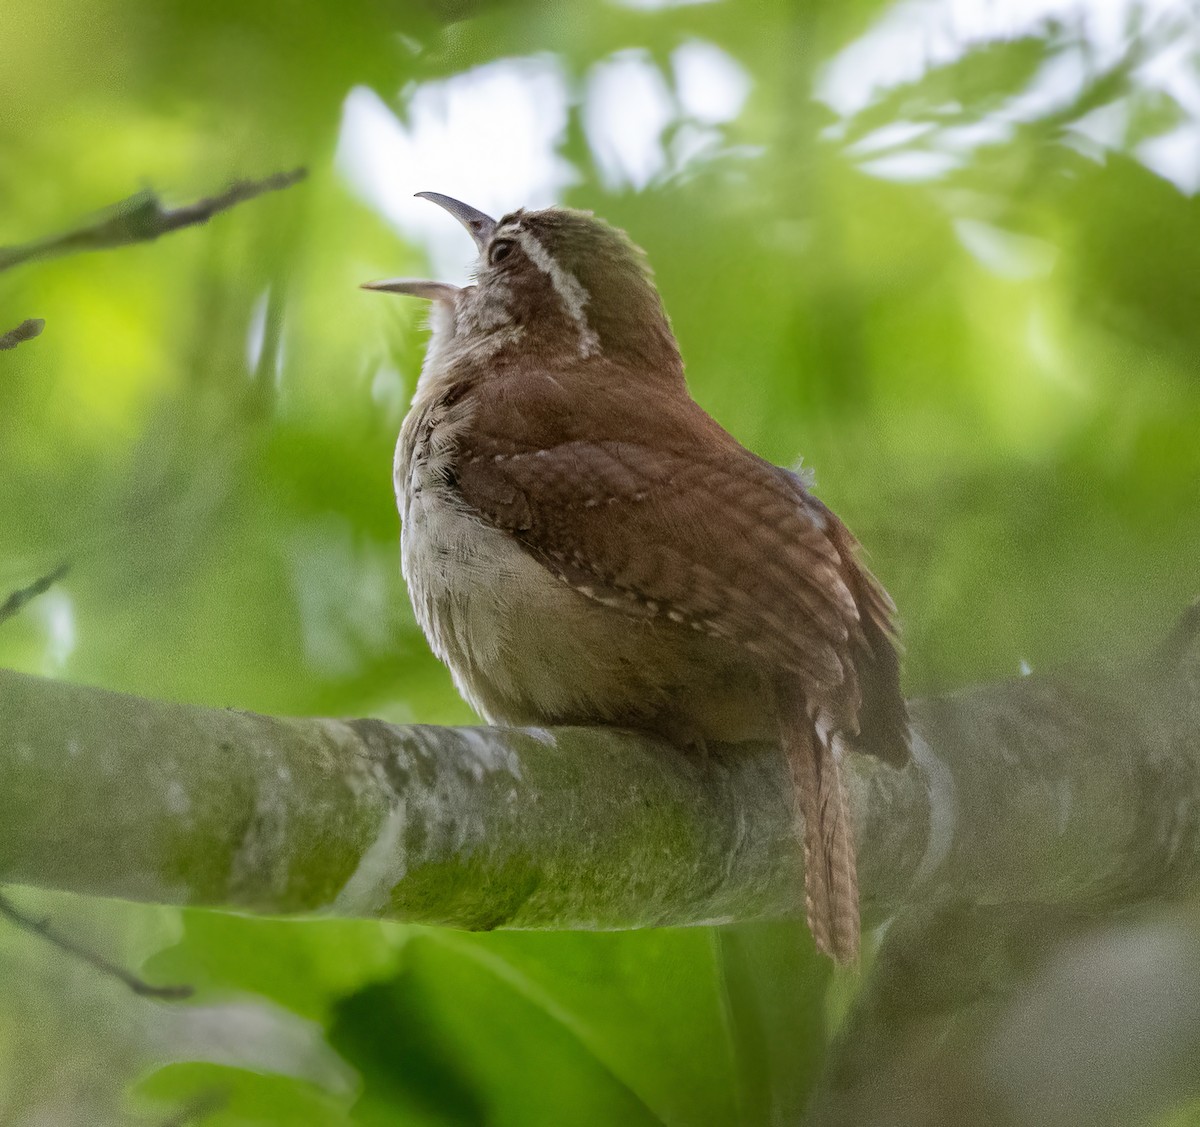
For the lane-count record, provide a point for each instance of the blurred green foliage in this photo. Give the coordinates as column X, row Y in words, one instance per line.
column 977, row 321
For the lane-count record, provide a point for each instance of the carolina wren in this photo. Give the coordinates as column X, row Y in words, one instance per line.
column 584, row 545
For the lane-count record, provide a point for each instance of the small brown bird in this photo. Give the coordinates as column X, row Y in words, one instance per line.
column 584, row 545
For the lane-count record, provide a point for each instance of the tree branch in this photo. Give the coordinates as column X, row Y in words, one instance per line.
column 22, row 595
column 142, row 218
column 28, row 329
column 1080, row 791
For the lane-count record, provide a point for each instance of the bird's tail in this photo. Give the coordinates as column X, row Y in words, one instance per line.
column 830, row 869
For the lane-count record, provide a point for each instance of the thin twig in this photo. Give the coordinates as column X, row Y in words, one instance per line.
column 22, row 595
column 26, row 330
column 41, row 927
column 142, row 218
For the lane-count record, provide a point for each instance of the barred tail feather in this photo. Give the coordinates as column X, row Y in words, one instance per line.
column 830, row 870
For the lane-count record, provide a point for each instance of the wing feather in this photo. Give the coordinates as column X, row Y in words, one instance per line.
column 680, row 522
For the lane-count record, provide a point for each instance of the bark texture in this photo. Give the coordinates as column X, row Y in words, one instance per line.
column 1073, row 791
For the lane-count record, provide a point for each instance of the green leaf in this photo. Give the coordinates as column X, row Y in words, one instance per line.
column 221, row 1096
column 624, row 1028
column 306, row 966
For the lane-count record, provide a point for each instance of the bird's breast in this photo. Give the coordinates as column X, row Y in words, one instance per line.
column 484, row 604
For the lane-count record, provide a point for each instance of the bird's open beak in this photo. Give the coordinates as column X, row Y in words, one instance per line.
column 415, row 287
column 479, row 226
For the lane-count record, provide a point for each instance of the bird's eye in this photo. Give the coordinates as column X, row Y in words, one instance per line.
column 500, row 251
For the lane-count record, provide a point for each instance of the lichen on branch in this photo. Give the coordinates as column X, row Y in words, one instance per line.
column 1081, row 790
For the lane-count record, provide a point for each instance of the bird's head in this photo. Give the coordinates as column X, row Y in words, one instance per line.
column 556, row 281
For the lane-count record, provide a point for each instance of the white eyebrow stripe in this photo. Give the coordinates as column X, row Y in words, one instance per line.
column 566, row 285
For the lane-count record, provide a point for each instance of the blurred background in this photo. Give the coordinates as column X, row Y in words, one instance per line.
column 947, row 251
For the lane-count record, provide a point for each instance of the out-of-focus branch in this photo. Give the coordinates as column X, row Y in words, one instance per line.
column 26, row 330
column 22, row 595
column 142, row 218
column 1078, row 792
column 961, row 1019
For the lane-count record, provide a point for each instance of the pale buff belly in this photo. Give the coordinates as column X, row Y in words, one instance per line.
column 525, row 648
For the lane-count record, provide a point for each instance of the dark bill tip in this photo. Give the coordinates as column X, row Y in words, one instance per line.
column 479, row 225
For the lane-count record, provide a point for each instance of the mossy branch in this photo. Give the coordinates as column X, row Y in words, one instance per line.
column 1041, row 790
